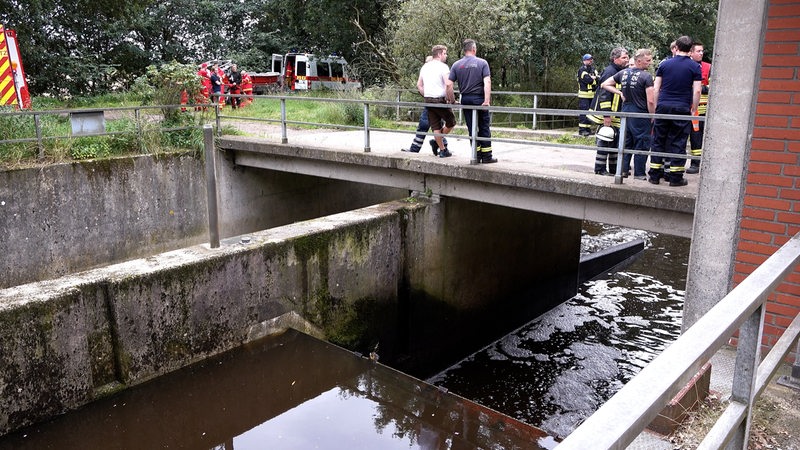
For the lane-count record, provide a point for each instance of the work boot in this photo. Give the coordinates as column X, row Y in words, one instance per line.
column 693, row 169
column 486, row 159
column 434, row 147
column 679, row 182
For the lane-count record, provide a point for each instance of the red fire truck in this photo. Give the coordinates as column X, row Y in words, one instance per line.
column 304, row 71
column 13, row 86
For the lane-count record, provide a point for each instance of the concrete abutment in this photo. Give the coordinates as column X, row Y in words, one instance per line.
column 424, row 279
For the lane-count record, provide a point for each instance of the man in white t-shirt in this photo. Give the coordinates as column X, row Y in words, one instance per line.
column 431, row 85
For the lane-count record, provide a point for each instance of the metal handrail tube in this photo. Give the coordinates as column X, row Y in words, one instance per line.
column 770, row 363
column 626, row 414
column 285, row 122
column 720, row 434
column 494, row 92
column 499, row 109
column 723, row 431
column 366, row 126
column 110, row 108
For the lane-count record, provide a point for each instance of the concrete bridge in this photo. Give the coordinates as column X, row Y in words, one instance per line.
column 534, row 177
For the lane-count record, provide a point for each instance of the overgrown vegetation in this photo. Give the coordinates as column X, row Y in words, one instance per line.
column 89, row 48
column 127, row 131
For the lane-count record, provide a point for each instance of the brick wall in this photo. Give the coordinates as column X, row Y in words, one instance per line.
column 771, row 212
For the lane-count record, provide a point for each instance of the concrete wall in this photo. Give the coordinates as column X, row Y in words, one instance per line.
column 60, row 219
column 64, row 218
column 252, row 199
column 69, row 340
column 475, row 271
column 349, row 276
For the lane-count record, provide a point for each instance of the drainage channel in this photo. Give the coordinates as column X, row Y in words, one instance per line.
column 294, row 392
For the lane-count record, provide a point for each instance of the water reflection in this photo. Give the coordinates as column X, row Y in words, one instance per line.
column 284, row 392
column 558, row 369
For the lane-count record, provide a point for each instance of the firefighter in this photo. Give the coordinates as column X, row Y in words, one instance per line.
column 607, row 102
column 587, row 84
column 205, row 85
column 247, row 88
column 216, row 85
column 698, row 127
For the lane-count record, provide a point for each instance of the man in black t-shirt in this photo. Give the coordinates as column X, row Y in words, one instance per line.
column 637, row 93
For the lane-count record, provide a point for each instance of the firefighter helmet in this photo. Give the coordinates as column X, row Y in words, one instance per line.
column 605, row 134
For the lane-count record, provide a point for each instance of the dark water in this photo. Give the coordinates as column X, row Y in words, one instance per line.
column 283, row 392
column 558, row 369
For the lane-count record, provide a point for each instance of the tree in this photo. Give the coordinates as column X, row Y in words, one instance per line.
column 80, row 47
column 69, row 47
column 416, row 27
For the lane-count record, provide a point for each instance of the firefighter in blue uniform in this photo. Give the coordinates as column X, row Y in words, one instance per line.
column 587, row 84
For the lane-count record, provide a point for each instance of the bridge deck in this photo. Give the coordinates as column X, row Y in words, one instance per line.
column 551, row 179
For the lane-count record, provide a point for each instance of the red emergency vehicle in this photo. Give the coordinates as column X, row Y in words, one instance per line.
column 305, row 71
column 13, row 85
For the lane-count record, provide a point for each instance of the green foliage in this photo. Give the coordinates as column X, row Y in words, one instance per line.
column 166, row 84
column 417, row 27
column 191, row 136
column 16, row 127
column 84, row 48
column 89, row 148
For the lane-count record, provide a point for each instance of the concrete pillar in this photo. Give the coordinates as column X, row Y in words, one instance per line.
column 741, row 27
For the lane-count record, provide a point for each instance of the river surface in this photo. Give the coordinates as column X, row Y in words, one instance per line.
column 558, row 369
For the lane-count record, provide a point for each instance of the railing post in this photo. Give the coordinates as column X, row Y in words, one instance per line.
column 473, row 132
column 397, row 110
column 218, row 121
column 138, row 128
column 748, row 356
column 284, row 136
column 620, row 150
column 38, row 125
column 211, row 186
column 535, row 105
column 366, row 128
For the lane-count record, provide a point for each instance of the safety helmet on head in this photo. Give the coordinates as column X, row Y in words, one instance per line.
column 605, row 134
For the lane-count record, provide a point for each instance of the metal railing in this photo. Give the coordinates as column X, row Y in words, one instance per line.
column 366, row 126
column 284, row 122
column 626, row 414
column 535, row 96
column 91, row 122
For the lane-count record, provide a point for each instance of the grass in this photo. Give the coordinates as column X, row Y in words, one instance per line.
column 132, row 134
column 143, row 134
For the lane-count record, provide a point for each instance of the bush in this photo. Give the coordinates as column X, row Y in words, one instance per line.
column 166, row 84
column 90, row 148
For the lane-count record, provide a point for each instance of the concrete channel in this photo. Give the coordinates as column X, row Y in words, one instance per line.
column 123, row 299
